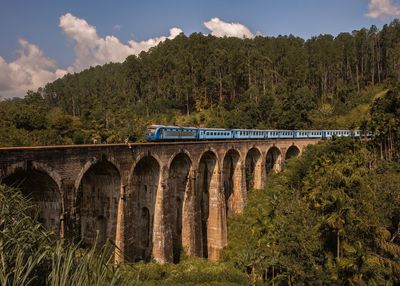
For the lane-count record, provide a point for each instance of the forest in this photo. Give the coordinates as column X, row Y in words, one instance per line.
column 330, row 217
column 266, row 82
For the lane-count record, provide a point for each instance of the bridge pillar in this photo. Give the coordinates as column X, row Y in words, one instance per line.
column 217, row 226
column 240, row 191
column 162, row 236
column 189, row 216
column 120, row 228
column 260, row 176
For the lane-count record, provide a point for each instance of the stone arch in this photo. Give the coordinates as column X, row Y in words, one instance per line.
column 253, row 169
column 232, row 181
column 181, row 152
column 97, row 202
column 89, row 164
column 273, row 161
column 210, row 208
column 141, row 208
column 291, row 152
column 179, row 206
column 44, row 193
column 28, row 165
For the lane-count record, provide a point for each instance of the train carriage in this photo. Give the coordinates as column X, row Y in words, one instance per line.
column 249, row 134
column 170, row 133
column 214, row 134
column 280, row 134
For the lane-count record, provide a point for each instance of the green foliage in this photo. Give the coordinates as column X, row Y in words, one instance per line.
column 385, row 122
column 28, row 255
column 331, row 217
column 23, row 242
column 190, row 271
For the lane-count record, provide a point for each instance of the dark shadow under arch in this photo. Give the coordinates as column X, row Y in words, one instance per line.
column 206, row 180
column 141, row 208
column 178, row 181
column 43, row 192
column 97, row 203
column 273, row 160
column 231, row 178
column 253, row 158
column 292, row 152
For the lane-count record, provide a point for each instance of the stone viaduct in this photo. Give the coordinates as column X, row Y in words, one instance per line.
column 152, row 199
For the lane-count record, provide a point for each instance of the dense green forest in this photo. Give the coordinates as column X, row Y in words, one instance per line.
column 267, row 82
column 331, row 217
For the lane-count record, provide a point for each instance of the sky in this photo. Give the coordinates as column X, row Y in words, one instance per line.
column 42, row 40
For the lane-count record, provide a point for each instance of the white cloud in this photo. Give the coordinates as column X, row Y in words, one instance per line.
column 92, row 50
column 29, row 71
column 138, row 47
column 383, row 9
column 220, row 28
column 32, row 69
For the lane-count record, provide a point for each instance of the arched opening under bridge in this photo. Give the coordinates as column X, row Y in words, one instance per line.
column 97, row 203
column 141, row 209
column 178, row 187
column 232, row 180
column 273, row 160
column 43, row 193
column 207, row 189
column 253, row 169
column 292, row 152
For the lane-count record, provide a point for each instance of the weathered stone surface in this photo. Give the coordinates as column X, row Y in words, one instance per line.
column 153, row 200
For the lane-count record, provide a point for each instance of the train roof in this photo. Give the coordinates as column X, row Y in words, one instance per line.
column 171, row 126
column 238, row 129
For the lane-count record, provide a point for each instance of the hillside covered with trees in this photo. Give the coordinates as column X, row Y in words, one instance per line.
column 267, row 82
column 331, row 217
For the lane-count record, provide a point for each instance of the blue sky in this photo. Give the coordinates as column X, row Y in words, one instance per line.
column 35, row 28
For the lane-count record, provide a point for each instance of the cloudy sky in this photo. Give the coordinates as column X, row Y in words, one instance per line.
column 45, row 39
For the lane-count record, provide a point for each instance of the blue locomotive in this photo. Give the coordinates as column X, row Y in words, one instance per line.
column 178, row 133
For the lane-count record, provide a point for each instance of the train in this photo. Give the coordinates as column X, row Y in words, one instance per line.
column 159, row 133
